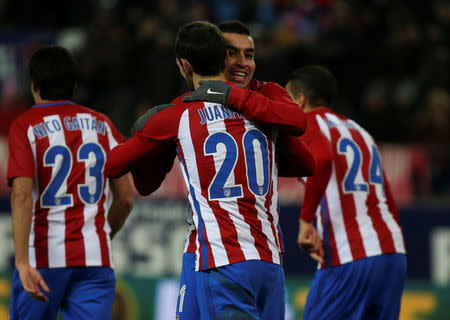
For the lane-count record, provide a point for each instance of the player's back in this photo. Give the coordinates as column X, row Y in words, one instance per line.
column 63, row 147
column 359, row 217
column 232, row 179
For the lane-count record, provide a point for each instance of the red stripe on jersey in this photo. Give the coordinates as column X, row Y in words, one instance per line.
column 347, row 202
column 41, row 214
column 333, row 247
column 73, row 240
column 100, row 225
column 238, row 129
column 192, row 246
column 246, row 204
column 373, row 211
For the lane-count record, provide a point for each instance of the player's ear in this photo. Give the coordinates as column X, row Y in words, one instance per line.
column 186, row 67
column 301, row 100
column 34, row 89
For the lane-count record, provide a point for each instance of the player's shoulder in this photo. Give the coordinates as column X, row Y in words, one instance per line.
column 141, row 121
column 261, row 86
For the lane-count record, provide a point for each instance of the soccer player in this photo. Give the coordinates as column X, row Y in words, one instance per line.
column 60, row 198
column 358, row 241
column 230, row 172
column 239, row 69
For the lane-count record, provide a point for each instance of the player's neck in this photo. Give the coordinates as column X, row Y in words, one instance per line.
column 196, row 78
column 39, row 100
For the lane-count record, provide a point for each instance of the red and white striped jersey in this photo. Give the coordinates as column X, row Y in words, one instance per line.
column 229, row 169
column 349, row 194
column 62, row 146
column 273, row 91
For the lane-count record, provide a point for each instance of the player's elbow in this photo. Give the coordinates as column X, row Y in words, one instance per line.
column 125, row 202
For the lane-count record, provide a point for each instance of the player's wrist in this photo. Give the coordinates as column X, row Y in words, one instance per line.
column 236, row 98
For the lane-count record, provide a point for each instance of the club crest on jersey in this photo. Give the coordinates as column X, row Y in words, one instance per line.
column 214, row 112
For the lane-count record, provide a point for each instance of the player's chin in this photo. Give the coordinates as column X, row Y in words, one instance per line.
column 243, row 83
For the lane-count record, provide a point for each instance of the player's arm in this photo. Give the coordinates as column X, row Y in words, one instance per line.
column 308, row 238
column 152, row 139
column 294, row 158
column 150, row 171
column 22, row 213
column 285, row 115
column 122, row 202
column 293, row 155
column 316, row 185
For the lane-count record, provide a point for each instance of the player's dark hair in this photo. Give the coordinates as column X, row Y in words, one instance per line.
column 317, row 83
column 202, row 44
column 54, row 72
column 234, row 26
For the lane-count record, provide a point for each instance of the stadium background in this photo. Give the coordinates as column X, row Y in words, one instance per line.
column 391, row 58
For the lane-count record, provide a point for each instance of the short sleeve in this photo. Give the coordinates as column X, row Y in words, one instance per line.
column 20, row 155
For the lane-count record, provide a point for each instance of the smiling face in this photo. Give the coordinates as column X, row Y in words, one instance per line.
column 240, row 60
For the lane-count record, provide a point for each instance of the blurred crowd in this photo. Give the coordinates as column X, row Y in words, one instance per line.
column 391, row 57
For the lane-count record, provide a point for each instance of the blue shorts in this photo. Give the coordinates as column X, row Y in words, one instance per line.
column 80, row 293
column 187, row 305
column 369, row 288
column 251, row 289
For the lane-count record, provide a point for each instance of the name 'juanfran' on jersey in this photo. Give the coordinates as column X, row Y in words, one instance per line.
column 216, row 112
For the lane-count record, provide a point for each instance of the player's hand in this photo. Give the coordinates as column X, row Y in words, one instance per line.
column 309, row 241
column 211, row 91
column 32, row 282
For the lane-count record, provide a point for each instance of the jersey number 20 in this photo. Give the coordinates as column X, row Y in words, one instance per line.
column 217, row 189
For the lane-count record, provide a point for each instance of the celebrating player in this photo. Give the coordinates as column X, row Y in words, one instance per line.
column 358, row 241
column 60, row 197
column 230, row 172
column 239, row 69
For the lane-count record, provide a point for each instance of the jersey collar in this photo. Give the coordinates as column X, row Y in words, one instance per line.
column 53, row 103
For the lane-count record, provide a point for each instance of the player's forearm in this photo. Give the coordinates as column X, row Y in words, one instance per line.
column 122, row 204
column 21, row 207
column 286, row 115
column 117, row 215
column 315, row 189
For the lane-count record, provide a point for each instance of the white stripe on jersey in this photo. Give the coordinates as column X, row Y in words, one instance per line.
column 56, row 216
column 112, row 141
column 368, row 234
column 388, row 218
column 90, row 237
column 230, row 205
column 337, row 218
column 260, row 202
column 35, row 195
column 210, row 223
column 319, row 226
